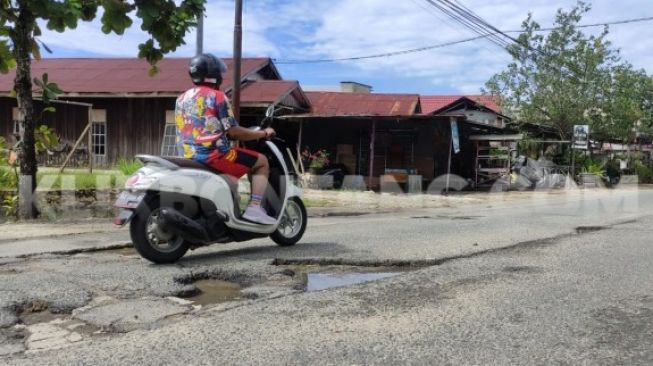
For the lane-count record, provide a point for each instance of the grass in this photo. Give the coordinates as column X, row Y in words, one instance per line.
column 79, row 179
column 312, row 202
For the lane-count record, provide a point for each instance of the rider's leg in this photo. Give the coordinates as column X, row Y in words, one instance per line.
column 239, row 162
column 254, row 211
column 260, row 173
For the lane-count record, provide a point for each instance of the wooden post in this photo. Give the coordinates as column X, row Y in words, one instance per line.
column 372, row 142
column 449, row 162
column 90, row 141
column 299, row 140
column 199, row 40
column 477, row 162
column 238, row 44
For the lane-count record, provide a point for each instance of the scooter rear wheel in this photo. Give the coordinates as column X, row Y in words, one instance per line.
column 152, row 242
column 293, row 223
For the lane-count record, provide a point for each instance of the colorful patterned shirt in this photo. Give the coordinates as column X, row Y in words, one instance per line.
column 199, row 112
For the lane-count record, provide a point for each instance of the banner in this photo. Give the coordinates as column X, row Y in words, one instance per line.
column 454, row 136
column 581, row 137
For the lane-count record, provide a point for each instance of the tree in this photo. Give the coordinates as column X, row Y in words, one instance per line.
column 630, row 108
column 166, row 21
column 558, row 80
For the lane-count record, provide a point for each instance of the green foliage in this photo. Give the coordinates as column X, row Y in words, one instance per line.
column 643, row 172
column 10, row 205
column 567, row 77
column 7, row 61
column 612, row 168
column 528, row 147
column 166, row 21
column 128, row 166
column 8, row 179
column 4, row 151
column 49, row 91
column 594, row 167
column 316, row 160
column 79, row 180
column 46, row 138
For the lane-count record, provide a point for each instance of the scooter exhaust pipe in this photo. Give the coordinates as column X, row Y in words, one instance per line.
column 179, row 224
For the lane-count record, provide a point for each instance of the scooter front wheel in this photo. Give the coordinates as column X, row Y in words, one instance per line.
column 292, row 225
column 152, row 242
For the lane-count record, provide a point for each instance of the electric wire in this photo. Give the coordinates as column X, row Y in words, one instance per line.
column 446, row 44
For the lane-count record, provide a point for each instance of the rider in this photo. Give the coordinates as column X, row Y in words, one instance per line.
column 206, row 126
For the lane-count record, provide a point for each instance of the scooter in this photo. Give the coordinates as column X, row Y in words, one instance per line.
column 173, row 204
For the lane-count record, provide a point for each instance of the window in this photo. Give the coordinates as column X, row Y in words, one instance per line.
column 169, row 143
column 17, row 118
column 99, row 132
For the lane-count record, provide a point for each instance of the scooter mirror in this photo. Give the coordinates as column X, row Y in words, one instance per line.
column 269, row 112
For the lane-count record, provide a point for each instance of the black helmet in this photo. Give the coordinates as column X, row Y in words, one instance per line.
column 206, row 66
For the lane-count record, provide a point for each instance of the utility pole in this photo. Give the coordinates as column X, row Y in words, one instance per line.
column 199, row 43
column 238, row 45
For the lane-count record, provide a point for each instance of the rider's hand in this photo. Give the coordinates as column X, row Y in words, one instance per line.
column 269, row 132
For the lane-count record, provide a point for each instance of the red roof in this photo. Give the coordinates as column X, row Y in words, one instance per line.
column 122, row 75
column 331, row 104
column 273, row 91
column 266, row 91
column 435, row 103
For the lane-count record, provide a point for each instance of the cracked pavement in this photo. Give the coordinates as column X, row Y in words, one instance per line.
column 515, row 282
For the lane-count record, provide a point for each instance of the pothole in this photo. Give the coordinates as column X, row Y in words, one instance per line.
column 322, row 281
column 315, row 277
column 37, row 312
column 45, row 316
column 214, row 291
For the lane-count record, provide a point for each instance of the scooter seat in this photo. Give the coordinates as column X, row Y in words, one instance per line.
column 191, row 164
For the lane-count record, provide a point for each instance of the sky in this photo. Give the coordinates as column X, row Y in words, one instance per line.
column 325, row 29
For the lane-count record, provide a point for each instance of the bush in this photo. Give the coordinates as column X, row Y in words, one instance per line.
column 45, row 138
column 643, row 172
column 4, row 151
column 612, row 168
column 128, row 166
column 10, row 205
column 595, row 167
column 8, row 179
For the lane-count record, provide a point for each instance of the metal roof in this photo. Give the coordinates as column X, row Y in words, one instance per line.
column 436, row 103
column 340, row 104
column 273, row 91
column 124, row 75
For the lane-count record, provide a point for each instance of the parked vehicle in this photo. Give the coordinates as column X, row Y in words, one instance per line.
column 176, row 204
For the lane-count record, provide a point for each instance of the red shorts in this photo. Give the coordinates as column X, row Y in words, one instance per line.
column 237, row 162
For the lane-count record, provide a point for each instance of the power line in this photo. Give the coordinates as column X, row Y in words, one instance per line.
column 441, row 45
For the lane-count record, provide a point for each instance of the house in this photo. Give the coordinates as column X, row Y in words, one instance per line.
column 132, row 113
column 370, row 134
column 401, row 135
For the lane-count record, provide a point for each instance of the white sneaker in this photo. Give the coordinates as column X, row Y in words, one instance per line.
column 257, row 215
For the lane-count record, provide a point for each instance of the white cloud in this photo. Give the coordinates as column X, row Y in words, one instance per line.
column 294, row 29
column 218, row 36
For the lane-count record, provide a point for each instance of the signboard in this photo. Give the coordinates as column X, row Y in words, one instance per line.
column 454, row 136
column 581, row 137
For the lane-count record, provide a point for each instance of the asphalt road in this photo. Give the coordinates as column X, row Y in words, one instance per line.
column 555, row 278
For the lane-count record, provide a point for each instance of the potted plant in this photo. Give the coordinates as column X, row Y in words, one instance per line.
column 314, row 161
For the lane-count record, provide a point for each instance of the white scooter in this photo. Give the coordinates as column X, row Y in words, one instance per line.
column 176, row 204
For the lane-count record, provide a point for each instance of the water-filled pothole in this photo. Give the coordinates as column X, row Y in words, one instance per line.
column 322, row 281
column 212, row 291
